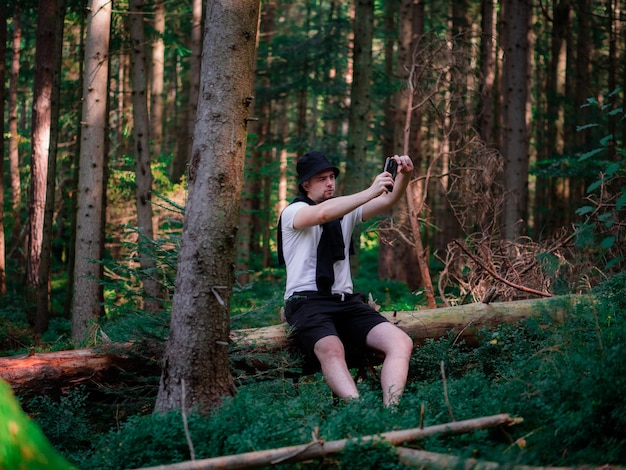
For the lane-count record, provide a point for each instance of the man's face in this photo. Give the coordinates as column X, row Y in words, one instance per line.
column 321, row 186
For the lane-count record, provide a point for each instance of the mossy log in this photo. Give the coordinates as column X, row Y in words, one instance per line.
column 54, row 371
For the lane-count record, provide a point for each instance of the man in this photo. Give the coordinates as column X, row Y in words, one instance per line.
column 314, row 242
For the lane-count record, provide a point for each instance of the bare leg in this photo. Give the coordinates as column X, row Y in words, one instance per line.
column 397, row 347
column 331, row 354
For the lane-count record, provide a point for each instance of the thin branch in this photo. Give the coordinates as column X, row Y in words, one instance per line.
column 445, row 391
column 500, row 278
column 192, row 452
column 319, row 448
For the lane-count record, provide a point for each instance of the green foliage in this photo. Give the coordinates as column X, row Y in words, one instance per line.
column 563, row 374
column 601, row 232
column 65, row 420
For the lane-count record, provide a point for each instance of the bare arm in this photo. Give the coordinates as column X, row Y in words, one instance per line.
column 387, row 199
column 339, row 206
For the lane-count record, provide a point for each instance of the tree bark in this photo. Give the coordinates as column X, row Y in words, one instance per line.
column 45, row 268
column 38, row 373
column 515, row 142
column 181, row 158
column 143, row 171
column 156, row 77
column 3, row 70
column 359, row 111
column 41, row 122
column 14, row 136
column 87, row 298
column 488, row 71
column 196, row 357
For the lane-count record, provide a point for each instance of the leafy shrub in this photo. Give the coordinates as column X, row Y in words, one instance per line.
column 64, row 420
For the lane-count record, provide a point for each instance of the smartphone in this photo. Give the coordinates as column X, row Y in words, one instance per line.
column 392, row 167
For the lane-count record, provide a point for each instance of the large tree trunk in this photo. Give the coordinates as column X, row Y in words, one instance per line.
column 143, row 171
column 3, row 69
column 42, row 99
column 39, row 373
column 156, row 77
column 14, row 137
column 45, row 268
column 87, row 299
column 196, row 370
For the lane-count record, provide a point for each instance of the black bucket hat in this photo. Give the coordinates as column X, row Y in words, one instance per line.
column 312, row 163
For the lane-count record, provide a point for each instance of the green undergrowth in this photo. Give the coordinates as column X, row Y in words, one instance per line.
column 564, row 375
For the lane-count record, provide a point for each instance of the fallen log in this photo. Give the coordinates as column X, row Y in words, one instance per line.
column 465, row 321
column 43, row 372
column 318, row 448
column 432, row 460
column 56, row 372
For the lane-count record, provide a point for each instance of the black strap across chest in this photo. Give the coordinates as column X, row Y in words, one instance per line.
column 330, row 248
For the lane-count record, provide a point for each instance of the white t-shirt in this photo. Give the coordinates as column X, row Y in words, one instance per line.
column 300, row 252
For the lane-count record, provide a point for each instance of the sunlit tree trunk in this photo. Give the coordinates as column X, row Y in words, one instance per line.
column 43, row 289
column 87, row 299
column 488, row 71
column 143, row 171
column 14, row 136
column 156, row 78
column 3, row 72
column 73, row 183
column 196, row 369
column 41, row 122
column 515, row 148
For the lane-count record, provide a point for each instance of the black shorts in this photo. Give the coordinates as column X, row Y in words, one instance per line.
column 314, row 316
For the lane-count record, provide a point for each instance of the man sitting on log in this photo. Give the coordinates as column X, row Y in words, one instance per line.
column 314, row 234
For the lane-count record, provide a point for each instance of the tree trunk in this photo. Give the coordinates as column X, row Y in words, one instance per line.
column 14, row 136
column 143, row 171
column 488, row 70
column 359, row 110
column 385, row 251
column 73, row 183
column 181, row 158
column 37, row 373
column 43, row 282
column 196, row 358
column 87, row 299
column 41, row 122
column 156, row 78
column 515, row 147
column 3, row 70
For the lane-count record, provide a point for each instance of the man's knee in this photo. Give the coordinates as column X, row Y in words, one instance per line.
column 329, row 348
column 404, row 344
column 391, row 340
